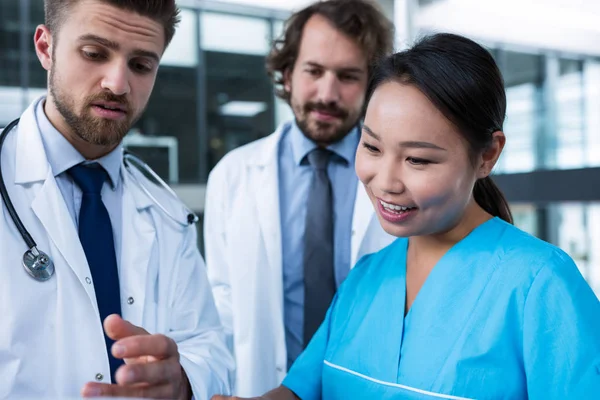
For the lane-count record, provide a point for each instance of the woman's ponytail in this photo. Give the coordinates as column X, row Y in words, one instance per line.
column 490, row 198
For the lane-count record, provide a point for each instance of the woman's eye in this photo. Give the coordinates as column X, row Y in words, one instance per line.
column 370, row 148
column 417, row 161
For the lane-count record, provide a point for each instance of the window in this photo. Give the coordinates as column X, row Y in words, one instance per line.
column 239, row 95
column 167, row 136
column 524, row 115
column 569, row 97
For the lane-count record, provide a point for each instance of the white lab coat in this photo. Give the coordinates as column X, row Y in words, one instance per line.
column 242, row 233
column 51, row 338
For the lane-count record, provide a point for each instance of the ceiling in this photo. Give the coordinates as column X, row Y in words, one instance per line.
column 564, row 26
column 291, row 5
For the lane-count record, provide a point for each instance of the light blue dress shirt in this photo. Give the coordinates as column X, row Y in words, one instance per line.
column 62, row 156
column 295, row 175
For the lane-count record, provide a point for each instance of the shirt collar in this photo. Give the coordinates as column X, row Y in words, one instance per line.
column 62, row 155
column 345, row 149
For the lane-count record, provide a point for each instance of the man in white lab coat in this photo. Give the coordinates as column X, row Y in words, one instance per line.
column 285, row 217
column 128, row 282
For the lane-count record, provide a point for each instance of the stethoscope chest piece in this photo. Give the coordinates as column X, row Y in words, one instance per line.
column 40, row 267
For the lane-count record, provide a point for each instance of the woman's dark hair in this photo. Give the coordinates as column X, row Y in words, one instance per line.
column 361, row 20
column 464, row 83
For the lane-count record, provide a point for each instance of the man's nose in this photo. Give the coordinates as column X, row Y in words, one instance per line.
column 116, row 79
column 329, row 90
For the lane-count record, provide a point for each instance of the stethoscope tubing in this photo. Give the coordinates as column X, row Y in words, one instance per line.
column 6, row 198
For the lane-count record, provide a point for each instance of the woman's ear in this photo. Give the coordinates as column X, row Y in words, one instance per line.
column 490, row 156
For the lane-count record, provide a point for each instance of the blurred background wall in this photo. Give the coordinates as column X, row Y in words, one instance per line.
column 212, row 95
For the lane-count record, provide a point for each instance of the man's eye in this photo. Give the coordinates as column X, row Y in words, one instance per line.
column 141, row 67
column 348, row 78
column 92, row 55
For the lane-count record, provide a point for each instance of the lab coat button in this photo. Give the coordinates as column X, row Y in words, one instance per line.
column 130, row 301
column 99, row 377
column 88, row 280
column 353, row 232
column 279, row 369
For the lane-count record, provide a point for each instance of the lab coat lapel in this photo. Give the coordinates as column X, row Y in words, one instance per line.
column 363, row 214
column 265, row 172
column 49, row 206
column 48, row 203
column 139, row 236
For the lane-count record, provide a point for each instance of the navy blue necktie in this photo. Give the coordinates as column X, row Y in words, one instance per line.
column 96, row 236
column 319, row 280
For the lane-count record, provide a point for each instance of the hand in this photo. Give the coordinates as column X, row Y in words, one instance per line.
column 152, row 369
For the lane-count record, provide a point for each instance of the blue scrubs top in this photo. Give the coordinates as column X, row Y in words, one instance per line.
column 502, row 315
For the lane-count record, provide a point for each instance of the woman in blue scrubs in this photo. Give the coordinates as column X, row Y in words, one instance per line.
column 463, row 305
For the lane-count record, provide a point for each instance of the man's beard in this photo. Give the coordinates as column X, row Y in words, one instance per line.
column 93, row 130
column 320, row 131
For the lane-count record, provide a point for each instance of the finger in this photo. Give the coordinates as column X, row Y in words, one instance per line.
column 155, row 373
column 117, row 328
column 93, row 389
column 158, row 346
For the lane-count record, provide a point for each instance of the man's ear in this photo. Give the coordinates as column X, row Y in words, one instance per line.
column 287, row 80
column 42, row 40
column 490, row 156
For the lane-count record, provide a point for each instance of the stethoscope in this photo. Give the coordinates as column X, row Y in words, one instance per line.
column 38, row 264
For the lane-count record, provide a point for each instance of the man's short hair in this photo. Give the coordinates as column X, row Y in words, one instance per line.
column 163, row 11
column 361, row 20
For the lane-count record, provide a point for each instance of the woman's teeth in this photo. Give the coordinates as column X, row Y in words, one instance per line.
column 394, row 207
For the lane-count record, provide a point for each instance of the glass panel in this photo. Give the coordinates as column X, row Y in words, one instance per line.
column 593, row 238
column 234, row 34
column 240, row 102
column 9, row 43
column 574, row 227
column 283, row 112
column 577, row 227
column 167, row 136
column 183, row 49
column 278, row 26
column 37, row 74
column 569, row 115
column 14, row 100
column 591, row 88
column 525, row 217
column 522, row 76
column 520, row 128
column 11, row 104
